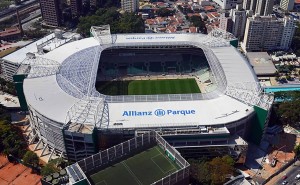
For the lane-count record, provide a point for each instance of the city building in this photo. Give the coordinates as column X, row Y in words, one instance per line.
column 130, row 5
column 70, row 118
column 239, row 18
column 262, row 64
column 51, row 12
column 12, row 33
column 265, row 33
column 262, row 33
column 289, row 27
column 249, row 5
column 228, row 4
column 226, row 22
column 76, row 8
column 234, row 22
column 287, row 5
column 10, row 63
column 264, row 7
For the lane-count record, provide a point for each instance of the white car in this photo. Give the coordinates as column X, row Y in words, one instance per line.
column 297, row 177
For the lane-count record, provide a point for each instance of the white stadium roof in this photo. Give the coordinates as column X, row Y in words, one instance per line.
column 50, row 98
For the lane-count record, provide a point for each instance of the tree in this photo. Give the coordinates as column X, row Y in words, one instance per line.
column 126, row 23
column 297, row 150
column 17, row 2
column 53, row 166
column 12, row 141
column 220, row 169
column 198, row 22
column 199, row 171
column 31, row 159
column 48, row 169
column 289, row 112
column 164, row 12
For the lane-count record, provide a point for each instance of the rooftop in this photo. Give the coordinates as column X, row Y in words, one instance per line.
column 262, row 63
column 48, row 43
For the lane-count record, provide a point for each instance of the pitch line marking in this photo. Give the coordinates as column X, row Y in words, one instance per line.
column 166, row 158
column 98, row 183
column 131, row 173
column 165, row 172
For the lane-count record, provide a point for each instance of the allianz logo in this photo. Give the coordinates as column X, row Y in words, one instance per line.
column 159, row 113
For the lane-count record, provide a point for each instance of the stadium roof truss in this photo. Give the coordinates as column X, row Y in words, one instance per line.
column 35, row 66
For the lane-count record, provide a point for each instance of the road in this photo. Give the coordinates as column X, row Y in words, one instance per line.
column 290, row 172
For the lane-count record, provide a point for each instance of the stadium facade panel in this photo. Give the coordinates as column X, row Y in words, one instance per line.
column 69, row 116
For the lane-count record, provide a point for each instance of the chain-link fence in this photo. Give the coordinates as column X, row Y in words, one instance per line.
column 122, row 151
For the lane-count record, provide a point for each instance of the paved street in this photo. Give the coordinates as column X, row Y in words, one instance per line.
column 290, row 172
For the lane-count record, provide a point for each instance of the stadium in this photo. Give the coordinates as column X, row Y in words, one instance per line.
column 197, row 91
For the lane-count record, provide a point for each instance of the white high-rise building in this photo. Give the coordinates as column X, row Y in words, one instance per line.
column 264, row 7
column 264, row 33
column 228, row 4
column 287, row 5
column 130, row 5
column 289, row 27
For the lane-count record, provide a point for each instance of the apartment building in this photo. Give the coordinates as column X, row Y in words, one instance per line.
column 287, row 5
column 130, row 5
column 234, row 22
column 239, row 18
column 228, row 4
column 264, row 7
column 265, row 33
column 289, row 27
column 249, row 5
column 76, row 7
column 51, row 12
column 226, row 22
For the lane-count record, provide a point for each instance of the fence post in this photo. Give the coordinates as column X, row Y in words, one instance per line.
column 115, row 152
column 122, row 148
column 85, row 165
column 93, row 161
column 135, row 142
column 129, row 145
column 100, row 157
column 143, row 140
column 107, row 155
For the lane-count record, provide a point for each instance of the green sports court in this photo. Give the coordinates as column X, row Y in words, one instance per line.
column 144, row 168
column 148, row 87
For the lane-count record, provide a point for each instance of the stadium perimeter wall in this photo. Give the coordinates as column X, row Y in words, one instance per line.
column 258, row 125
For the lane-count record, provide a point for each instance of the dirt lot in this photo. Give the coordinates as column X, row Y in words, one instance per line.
column 16, row 174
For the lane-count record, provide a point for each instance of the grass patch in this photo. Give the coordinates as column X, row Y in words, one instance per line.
column 143, row 168
column 148, row 87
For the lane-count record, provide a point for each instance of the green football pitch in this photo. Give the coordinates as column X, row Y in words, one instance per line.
column 147, row 87
column 143, row 168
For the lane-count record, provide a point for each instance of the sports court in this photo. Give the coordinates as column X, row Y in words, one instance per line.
column 143, row 168
column 148, row 87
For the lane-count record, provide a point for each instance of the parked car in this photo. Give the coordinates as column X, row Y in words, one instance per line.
column 284, row 182
column 297, row 177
